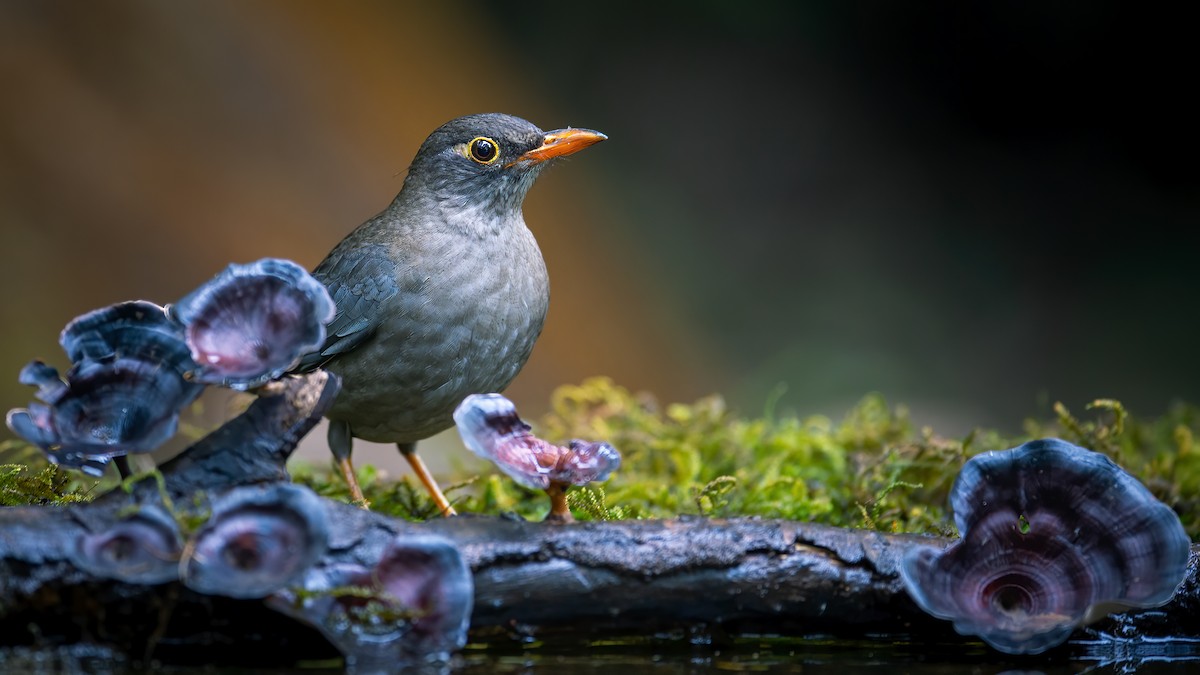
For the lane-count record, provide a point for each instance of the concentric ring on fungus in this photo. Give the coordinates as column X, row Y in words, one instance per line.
column 1053, row 537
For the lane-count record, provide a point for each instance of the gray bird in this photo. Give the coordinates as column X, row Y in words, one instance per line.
column 442, row 294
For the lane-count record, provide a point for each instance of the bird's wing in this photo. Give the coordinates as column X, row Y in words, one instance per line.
column 359, row 281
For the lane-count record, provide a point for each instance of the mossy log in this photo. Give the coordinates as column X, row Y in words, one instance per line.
column 688, row 576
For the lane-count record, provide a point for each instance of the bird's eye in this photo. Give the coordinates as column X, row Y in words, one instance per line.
column 484, row 150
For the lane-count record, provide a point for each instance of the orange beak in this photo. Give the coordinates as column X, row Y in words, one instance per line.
column 560, row 143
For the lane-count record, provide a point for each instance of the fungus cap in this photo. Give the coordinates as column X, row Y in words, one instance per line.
column 142, row 548
column 490, row 427
column 257, row 541
column 412, row 607
column 1053, row 537
column 251, row 323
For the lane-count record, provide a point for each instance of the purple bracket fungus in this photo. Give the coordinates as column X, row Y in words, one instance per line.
column 257, row 541
column 123, row 394
column 411, row 609
column 490, row 427
column 1053, row 537
column 126, row 329
column 143, row 548
column 252, row 323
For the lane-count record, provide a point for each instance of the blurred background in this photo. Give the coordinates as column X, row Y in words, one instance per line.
column 976, row 209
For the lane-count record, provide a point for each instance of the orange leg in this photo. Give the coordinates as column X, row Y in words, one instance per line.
column 339, row 444
column 409, row 450
column 356, row 492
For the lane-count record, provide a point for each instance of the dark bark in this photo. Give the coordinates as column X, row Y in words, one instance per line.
column 722, row 577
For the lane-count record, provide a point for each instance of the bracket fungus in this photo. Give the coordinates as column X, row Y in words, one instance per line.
column 133, row 328
column 1053, row 537
column 142, row 548
column 257, row 541
column 252, row 323
column 411, row 608
column 136, row 365
column 490, row 427
column 123, row 393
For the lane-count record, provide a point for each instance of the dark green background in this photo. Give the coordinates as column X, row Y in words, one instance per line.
column 974, row 208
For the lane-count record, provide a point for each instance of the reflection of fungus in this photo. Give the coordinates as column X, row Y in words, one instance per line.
column 143, row 548
column 256, row 541
column 1053, row 537
column 412, row 607
column 490, row 427
column 251, row 323
column 123, row 394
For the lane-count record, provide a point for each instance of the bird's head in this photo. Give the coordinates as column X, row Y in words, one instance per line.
column 488, row 162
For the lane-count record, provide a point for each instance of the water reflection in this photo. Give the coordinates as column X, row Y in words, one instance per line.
column 844, row 657
column 664, row 656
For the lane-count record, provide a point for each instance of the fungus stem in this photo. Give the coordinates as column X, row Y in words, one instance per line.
column 559, row 511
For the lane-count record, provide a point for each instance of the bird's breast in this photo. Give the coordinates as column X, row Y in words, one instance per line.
column 464, row 320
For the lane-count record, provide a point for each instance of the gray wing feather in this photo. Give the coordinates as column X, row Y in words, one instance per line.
column 360, row 281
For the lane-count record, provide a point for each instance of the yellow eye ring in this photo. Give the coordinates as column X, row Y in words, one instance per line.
column 483, row 150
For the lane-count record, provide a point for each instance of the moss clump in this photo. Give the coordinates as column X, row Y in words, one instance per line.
column 27, row 478
column 869, row 469
column 873, row 468
column 22, row 485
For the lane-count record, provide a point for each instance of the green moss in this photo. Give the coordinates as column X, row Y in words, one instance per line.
column 21, row 485
column 27, row 479
column 873, row 468
column 593, row 502
column 703, row 459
